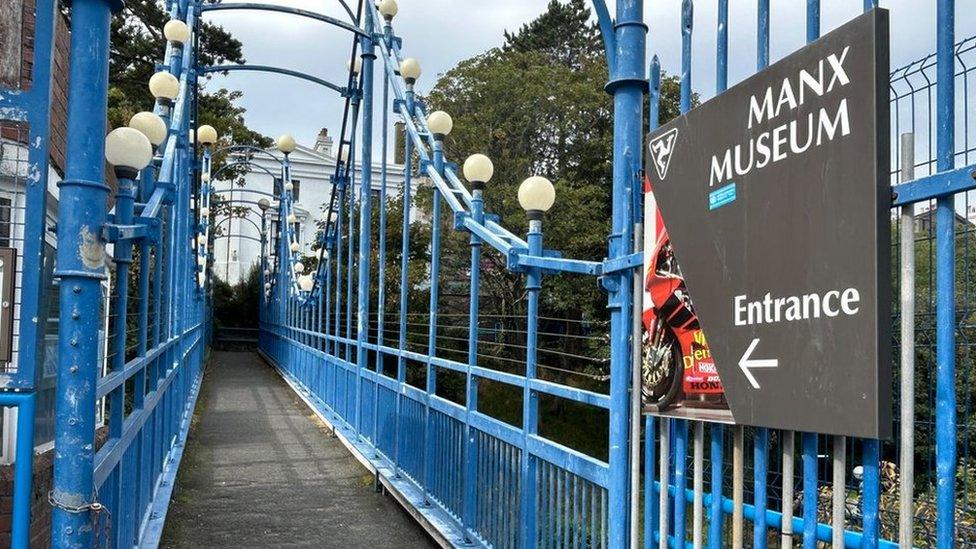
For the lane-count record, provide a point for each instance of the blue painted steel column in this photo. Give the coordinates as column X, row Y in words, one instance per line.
column 365, row 218
column 404, row 280
column 945, row 337
column 627, row 83
column 530, row 400
column 81, row 268
column 471, row 381
column 435, row 275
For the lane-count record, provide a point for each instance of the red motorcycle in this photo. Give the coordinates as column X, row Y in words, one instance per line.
column 677, row 366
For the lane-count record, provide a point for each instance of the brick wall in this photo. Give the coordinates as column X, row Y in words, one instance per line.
column 59, row 75
column 40, row 535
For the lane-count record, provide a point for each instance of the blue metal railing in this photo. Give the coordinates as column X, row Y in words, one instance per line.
column 129, row 361
column 487, row 481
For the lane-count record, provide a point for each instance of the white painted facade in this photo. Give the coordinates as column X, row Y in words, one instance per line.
column 311, row 169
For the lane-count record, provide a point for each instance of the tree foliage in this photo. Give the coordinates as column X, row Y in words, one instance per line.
column 138, row 45
column 537, row 105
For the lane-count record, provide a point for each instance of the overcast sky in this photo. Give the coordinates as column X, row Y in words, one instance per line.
column 440, row 33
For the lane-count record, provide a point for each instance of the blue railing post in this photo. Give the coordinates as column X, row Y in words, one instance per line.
column 435, row 274
column 627, row 83
column 471, row 381
column 945, row 337
column 365, row 218
column 81, row 269
column 404, row 277
column 23, row 466
column 530, row 400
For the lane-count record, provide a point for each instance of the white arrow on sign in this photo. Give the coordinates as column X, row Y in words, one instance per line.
column 746, row 363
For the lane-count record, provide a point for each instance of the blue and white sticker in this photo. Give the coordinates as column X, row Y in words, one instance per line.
column 721, row 197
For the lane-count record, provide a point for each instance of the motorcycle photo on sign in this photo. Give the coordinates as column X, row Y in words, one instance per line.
column 677, row 368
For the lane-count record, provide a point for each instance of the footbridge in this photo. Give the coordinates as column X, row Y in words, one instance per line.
column 386, row 404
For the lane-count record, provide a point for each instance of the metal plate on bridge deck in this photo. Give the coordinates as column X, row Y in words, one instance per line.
column 776, row 199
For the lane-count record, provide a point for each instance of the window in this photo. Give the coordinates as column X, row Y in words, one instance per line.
column 295, row 191
column 6, row 207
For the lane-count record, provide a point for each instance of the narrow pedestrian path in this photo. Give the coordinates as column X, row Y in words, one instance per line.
column 261, row 470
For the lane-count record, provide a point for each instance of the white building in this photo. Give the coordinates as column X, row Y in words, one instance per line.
column 311, row 169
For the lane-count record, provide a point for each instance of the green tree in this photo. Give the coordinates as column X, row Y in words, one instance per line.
column 537, row 105
column 138, row 45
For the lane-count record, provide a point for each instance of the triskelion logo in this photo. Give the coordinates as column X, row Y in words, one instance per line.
column 661, row 148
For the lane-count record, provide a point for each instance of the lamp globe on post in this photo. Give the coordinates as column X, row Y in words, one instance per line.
column 128, row 150
column 295, row 246
column 388, row 9
column 264, row 204
column 299, row 267
column 536, row 195
column 176, row 32
column 151, row 125
column 164, row 87
column 410, row 71
column 206, row 135
column 478, row 170
column 306, row 282
column 440, row 124
column 286, row 144
column 355, row 66
column 202, row 240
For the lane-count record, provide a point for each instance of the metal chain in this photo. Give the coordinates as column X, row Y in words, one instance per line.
column 96, row 509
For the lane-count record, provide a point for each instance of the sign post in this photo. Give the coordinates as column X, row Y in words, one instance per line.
column 776, row 203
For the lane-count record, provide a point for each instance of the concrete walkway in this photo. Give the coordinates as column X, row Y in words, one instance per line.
column 260, row 470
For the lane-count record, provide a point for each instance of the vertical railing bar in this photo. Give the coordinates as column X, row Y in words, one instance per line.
column 945, row 408
column 789, row 448
column 664, row 474
column 760, row 479
column 813, row 20
column 810, row 492
column 839, row 488
column 870, row 492
column 716, row 514
column 650, row 502
column 906, row 450
column 698, row 520
column 738, row 485
column 680, row 428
